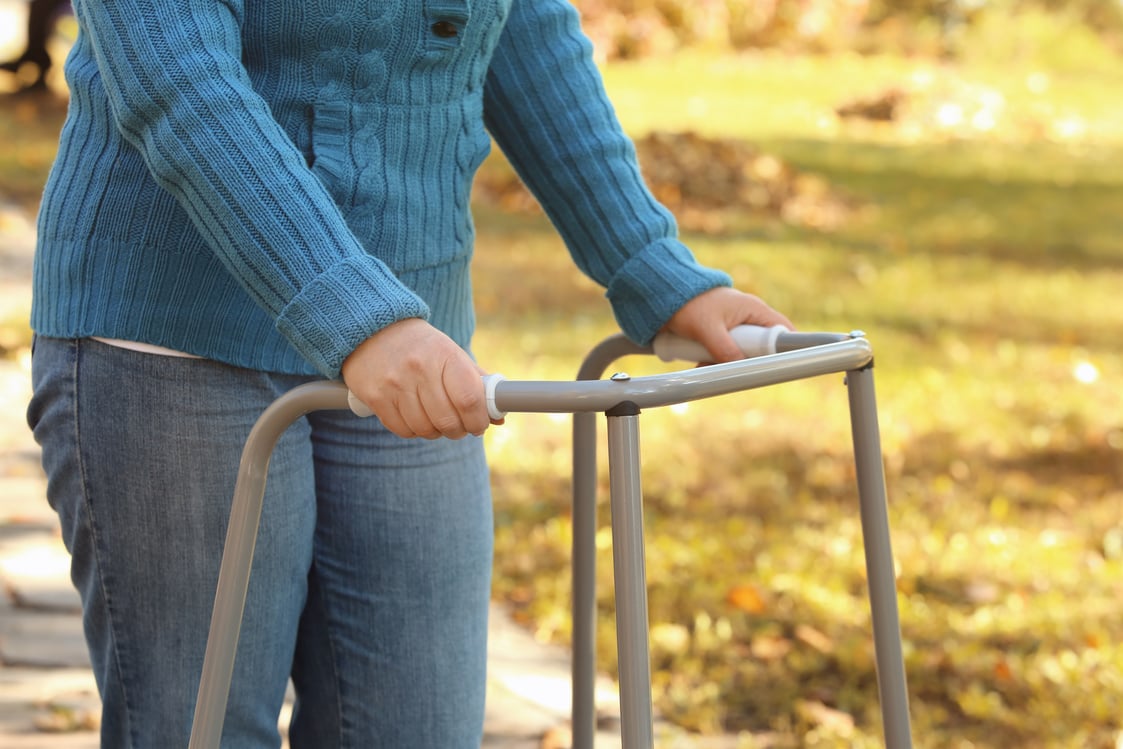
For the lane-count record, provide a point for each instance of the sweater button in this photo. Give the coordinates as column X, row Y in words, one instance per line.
column 444, row 29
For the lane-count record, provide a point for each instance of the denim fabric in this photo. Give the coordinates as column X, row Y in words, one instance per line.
column 371, row 573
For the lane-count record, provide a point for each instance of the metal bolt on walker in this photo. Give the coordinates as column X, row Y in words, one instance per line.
column 775, row 356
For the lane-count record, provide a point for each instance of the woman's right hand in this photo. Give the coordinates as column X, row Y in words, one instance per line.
column 418, row 382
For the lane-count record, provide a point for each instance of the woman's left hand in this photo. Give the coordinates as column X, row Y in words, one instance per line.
column 708, row 318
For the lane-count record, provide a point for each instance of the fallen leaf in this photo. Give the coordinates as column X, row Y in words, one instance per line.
column 835, row 721
column 558, row 737
column 813, row 637
column 770, row 647
column 747, row 598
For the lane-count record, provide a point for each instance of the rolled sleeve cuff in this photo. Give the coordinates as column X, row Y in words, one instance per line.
column 653, row 284
column 343, row 307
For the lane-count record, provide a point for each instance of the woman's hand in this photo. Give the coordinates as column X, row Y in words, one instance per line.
column 418, row 382
column 708, row 318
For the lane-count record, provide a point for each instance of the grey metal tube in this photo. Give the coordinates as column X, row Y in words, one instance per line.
column 831, row 353
column 583, row 561
column 583, row 564
column 583, row 718
column 237, row 555
column 796, row 341
column 678, row 387
column 636, row 719
column 891, row 682
column 605, row 353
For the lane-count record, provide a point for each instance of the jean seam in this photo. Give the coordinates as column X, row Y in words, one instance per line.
column 334, row 655
column 95, row 539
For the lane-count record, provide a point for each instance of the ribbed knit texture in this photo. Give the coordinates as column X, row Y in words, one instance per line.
column 269, row 182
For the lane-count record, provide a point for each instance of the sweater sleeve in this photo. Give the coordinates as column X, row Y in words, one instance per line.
column 180, row 95
column 546, row 107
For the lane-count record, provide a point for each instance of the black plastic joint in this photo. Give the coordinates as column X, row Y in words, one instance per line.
column 623, row 408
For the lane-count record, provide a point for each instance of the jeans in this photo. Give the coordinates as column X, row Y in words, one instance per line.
column 371, row 574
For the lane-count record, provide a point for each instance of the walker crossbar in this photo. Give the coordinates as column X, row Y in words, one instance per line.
column 798, row 356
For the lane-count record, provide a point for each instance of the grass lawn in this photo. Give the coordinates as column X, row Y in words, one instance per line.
column 984, row 260
column 985, row 267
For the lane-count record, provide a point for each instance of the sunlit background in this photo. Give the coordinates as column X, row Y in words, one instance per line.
column 13, row 17
column 946, row 176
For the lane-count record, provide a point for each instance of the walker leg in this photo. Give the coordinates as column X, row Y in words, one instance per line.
column 237, row 553
column 891, row 683
column 584, row 568
column 584, row 562
column 636, row 719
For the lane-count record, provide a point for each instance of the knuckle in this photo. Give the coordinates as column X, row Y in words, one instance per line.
column 400, row 430
column 448, row 424
column 427, row 432
column 470, row 400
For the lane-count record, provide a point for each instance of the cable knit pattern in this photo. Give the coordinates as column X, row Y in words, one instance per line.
column 269, row 182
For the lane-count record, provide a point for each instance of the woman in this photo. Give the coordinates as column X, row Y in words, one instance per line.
column 253, row 193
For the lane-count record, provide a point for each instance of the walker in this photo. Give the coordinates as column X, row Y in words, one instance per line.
column 775, row 356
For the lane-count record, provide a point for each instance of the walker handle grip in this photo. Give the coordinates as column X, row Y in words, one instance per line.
column 490, row 381
column 357, row 406
column 753, row 340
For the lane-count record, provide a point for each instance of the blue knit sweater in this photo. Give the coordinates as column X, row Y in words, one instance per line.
column 269, row 182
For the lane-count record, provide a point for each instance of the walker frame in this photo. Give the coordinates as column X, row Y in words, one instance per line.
column 621, row 398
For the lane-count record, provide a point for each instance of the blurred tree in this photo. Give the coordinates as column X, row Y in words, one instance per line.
column 635, row 28
column 41, row 18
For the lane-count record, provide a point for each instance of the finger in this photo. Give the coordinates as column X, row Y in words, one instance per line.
column 441, row 413
column 410, row 406
column 720, row 344
column 764, row 315
column 391, row 418
column 464, row 385
column 748, row 309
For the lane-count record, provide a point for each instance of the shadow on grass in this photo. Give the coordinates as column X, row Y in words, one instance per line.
column 1041, row 205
